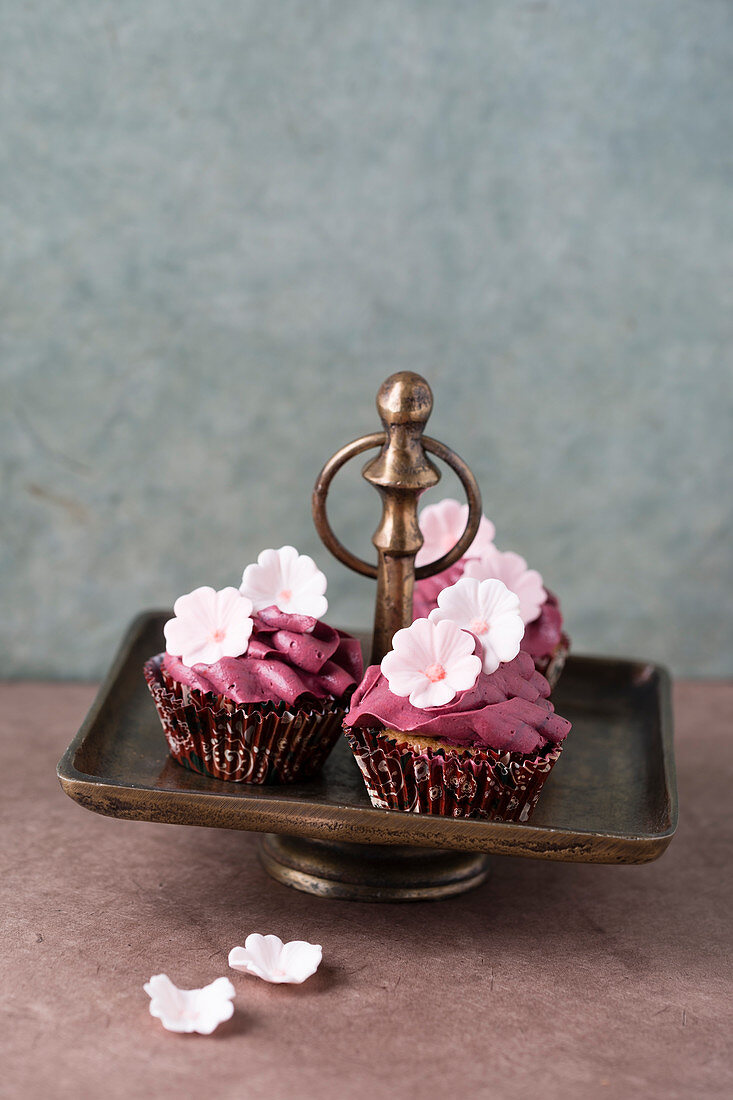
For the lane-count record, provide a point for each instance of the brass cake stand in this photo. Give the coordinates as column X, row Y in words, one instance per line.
column 610, row 799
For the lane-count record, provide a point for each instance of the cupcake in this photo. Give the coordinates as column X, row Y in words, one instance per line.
column 457, row 720
column 442, row 525
column 253, row 686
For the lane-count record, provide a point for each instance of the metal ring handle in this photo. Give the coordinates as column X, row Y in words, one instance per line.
column 473, row 498
column 320, row 518
column 377, row 439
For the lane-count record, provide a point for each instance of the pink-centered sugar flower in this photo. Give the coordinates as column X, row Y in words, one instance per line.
column 442, row 525
column 490, row 611
column 269, row 958
column 209, row 625
column 512, row 569
column 288, row 580
column 188, row 1010
column 430, row 663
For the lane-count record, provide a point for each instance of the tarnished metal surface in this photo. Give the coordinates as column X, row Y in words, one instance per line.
column 401, row 472
column 611, row 797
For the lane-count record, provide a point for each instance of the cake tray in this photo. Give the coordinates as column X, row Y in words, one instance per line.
column 611, row 798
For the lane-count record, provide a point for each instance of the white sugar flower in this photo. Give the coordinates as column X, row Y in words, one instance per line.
column 200, row 1010
column 269, row 958
column 289, row 580
column 430, row 663
column 490, row 611
column 442, row 525
column 209, row 625
column 512, row 569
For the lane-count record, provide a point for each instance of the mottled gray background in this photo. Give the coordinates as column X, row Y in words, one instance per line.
column 223, row 224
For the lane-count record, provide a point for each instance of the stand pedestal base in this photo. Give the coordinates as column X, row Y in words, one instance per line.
column 371, row 872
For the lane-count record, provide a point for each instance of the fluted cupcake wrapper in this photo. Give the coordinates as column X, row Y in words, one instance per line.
column 480, row 783
column 258, row 743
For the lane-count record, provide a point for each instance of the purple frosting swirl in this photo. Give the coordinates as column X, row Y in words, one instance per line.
column 289, row 657
column 543, row 635
column 508, row 711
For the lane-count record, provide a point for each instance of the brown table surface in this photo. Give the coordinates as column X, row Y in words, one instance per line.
column 552, row 980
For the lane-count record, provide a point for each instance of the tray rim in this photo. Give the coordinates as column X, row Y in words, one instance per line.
column 390, row 827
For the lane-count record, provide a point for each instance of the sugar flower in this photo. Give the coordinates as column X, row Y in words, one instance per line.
column 274, row 961
column 442, row 525
column 289, row 580
column 209, row 625
column 200, row 1010
column 512, row 569
column 430, row 662
column 490, row 611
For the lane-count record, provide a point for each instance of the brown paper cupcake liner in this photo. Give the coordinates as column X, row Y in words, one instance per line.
column 551, row 667
column 259, row 743
column 484, row 784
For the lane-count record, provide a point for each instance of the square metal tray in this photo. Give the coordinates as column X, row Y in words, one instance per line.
column 611, row 798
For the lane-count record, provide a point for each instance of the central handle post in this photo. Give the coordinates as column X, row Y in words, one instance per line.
column 401, row 472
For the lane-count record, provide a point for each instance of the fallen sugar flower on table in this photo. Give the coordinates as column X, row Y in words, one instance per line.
column 187, row 1010
column 274, row 961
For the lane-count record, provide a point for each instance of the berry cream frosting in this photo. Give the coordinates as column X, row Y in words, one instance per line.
column 263, row 643
column 288, row 658
column 433, row 682
column 508, row 710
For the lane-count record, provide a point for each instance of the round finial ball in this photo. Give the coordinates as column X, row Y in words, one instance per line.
column 404, row 398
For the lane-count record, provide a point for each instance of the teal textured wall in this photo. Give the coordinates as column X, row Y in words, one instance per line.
column 223, row 224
